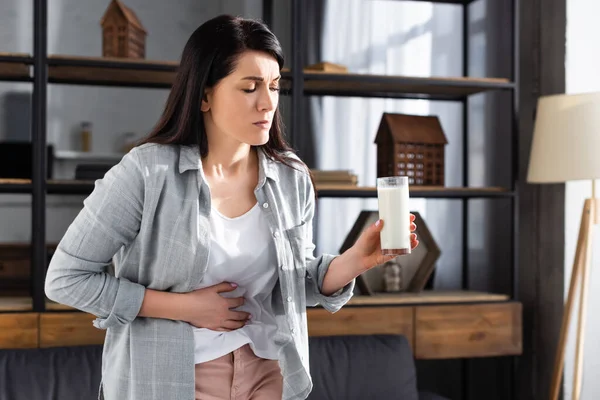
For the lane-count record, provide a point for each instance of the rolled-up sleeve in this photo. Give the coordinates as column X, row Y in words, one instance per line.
column 110, row 219
column 316, row 268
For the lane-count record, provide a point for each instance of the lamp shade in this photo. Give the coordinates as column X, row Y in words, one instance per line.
column 566, row 139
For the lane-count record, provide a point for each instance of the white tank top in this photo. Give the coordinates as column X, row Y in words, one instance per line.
column 242, row 251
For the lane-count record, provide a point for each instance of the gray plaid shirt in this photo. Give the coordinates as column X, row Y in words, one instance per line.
column 149, row 215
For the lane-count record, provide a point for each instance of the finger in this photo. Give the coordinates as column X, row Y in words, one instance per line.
column 377, row 226
column 235, row 302
column 388, row 259
column 412, row 217
column 382, row 260
column 413, row 236
column 224, row 287
column 238, row 315
column 414, row 244
column 230, row 324
column 374, row 230
column 371, row 234
column 413, row 227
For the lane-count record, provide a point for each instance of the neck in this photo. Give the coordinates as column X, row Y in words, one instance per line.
column 227, row 157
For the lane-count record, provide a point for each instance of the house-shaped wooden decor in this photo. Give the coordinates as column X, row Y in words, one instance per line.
column 122, row 32
column 413, row 146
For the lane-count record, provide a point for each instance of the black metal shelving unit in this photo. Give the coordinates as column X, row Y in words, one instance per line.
column 296, row 83
column 443, row 89
column 39, row 140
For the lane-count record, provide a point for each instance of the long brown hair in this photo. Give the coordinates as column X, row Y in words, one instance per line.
column 210, row 55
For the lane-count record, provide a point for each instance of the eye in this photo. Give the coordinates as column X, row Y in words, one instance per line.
column 275, row 89
column 249, row 90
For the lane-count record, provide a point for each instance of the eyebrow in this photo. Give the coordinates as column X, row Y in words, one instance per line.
column 258, row 78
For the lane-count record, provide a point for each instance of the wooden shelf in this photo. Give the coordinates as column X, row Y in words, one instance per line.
column 427, row 297
column 15, row 67
column 160, row 74
column 16, row 304
column 20, row 304
column 15, row 186
column 415, row 191
column 340, row 191
column 458, row 2
column 67, row 187
column 432, row 88
column 23, row 304
column 106, row 71
column 52, row 306
column 63, row 155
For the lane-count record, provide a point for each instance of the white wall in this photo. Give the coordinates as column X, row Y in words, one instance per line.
column 582, row 75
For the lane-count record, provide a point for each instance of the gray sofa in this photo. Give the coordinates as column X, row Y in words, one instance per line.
column 342, row 367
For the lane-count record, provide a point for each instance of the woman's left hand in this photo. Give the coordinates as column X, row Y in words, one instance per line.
column 368, row 246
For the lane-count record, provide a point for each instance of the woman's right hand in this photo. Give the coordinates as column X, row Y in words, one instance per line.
column 206, row 308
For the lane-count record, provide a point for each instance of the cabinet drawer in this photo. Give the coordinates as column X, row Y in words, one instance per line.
column 19, row 331
column 69, row 329
column 479, row 330
column 361, row 321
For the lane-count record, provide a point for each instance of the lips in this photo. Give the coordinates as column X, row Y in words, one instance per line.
column 263, row 124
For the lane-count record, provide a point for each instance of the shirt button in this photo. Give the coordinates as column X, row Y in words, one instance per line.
column 276, row 234
column 293, row 331
column 289, row 299
column 283, row 267
column 265, row 205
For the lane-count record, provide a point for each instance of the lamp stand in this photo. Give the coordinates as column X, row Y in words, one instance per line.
column 579, row 280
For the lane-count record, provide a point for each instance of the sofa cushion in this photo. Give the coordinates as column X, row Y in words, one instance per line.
column 342, row 367
column 430, row 396
column 362, row 367
column 65, row 373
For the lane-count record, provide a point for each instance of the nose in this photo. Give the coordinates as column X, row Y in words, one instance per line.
column 268, row 100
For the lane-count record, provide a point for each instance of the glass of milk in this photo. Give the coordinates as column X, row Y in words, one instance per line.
column 392, row 194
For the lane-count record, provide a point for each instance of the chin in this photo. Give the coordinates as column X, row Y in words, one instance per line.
column 258, row 141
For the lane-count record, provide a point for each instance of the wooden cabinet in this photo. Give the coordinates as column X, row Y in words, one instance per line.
column 362, row 321
column 468, row 330
column 437, row 325
column 433, row 331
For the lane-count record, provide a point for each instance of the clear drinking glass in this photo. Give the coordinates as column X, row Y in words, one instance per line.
column 393, row 197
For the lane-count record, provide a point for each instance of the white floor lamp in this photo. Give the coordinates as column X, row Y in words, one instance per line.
column 566, row 147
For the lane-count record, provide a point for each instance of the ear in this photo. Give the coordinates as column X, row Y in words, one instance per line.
column 205, row 105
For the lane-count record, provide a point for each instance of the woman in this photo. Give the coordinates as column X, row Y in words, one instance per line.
column 209, row 222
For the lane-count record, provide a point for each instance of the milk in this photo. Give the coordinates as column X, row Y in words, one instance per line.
column 393, row 196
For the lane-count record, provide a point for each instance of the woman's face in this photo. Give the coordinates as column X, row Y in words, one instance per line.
column 243, row 103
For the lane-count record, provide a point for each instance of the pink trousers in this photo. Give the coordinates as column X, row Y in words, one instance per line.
column 239, row 375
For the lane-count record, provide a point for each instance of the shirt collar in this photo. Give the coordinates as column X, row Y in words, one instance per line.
column 189, row 159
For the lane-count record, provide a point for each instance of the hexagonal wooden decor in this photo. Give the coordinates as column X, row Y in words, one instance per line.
column 416, row 268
